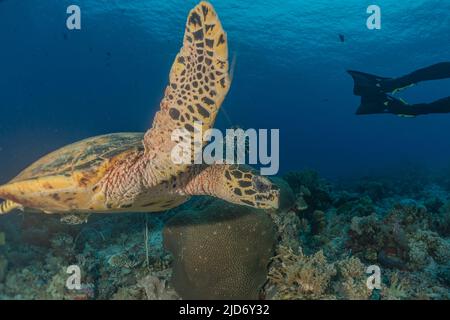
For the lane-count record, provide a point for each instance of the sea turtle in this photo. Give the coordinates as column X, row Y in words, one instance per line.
column 134, row 172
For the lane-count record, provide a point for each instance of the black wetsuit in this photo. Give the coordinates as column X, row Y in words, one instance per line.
column 376, row 92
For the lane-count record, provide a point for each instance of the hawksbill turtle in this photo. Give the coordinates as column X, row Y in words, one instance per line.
column 134, row 172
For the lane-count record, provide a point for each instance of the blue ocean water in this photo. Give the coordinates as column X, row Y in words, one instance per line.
column 58, row 86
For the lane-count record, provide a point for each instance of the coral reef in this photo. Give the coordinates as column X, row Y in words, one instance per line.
column 3, row 268
column 296, row 276
column 352, row 280
column 157, row 289
column 317, row 245
column 401, row 239
column 221, row 252
column 113, row 257
column 404, row 230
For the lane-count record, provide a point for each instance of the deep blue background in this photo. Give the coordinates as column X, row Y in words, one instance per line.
column 58, row 86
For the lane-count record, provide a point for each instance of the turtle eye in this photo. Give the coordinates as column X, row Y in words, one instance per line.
column 261, row 184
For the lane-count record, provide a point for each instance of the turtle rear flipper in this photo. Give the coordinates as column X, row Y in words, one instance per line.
column 8, row 206
column 199, row 82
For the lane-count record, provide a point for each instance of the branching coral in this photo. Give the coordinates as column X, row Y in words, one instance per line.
column 364, row 237
column 156, row 289
column 410, row 215
column 352, row 280
column 396, row 289
column 289, row 226
column 297, row 276
column 435, row 246
column 418, row 255
column 401, row 240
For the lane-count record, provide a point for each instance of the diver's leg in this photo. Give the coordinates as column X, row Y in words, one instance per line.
column 368, row 84
column 400, row 107
column 437, row 71
column 439, row 106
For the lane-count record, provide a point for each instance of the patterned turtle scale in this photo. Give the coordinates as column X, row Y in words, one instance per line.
column 83, row 157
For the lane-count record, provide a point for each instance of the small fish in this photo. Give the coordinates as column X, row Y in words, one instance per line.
column 341, row 37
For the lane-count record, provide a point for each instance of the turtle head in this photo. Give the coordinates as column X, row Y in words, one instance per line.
column 241, row 185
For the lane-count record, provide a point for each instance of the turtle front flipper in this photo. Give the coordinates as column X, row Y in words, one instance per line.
column 237, row 184
column 9, row 206
column 199, row 82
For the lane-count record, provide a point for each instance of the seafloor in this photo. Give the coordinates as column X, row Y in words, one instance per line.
column 317, row 246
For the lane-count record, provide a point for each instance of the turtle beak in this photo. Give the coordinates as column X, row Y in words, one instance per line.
column 275, row 195
column 269, row 200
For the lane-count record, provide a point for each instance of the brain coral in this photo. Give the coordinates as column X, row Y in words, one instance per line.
column 221, row 252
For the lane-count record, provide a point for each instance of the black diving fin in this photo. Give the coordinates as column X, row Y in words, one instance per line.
column 384, row 103
column 372, row 104
column 367, row 84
